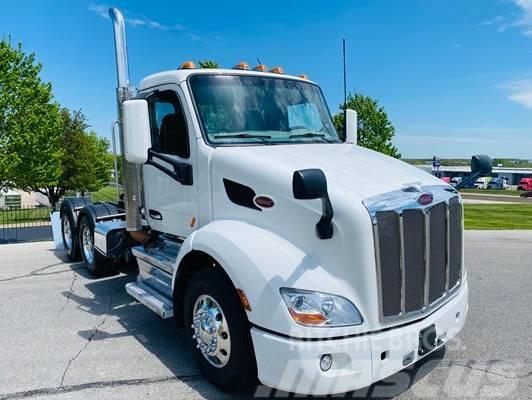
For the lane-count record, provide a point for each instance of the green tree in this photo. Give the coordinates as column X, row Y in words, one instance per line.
column 208, row 64
column 375, row 131
column 30, row 147
column 86, row 161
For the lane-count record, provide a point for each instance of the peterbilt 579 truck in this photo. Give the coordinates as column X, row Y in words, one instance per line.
column 313, row 265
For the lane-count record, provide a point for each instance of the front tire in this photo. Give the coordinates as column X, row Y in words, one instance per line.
column 217, row 331
column 97, row 264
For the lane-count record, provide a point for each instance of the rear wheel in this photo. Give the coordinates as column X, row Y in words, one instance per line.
column 218, row 331
column 70, row 237
column 97, row 263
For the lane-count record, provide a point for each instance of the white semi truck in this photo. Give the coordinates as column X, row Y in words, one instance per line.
column 288, row 256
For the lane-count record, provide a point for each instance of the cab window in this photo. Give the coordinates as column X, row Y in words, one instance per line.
column 169, row 133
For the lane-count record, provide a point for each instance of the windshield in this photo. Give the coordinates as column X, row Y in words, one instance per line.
column 237, row 109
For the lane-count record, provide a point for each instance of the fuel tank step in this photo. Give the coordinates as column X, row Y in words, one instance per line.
column 155, row 301
column 162, row 254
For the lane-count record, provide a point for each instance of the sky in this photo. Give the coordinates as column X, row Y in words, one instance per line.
column 454, row 76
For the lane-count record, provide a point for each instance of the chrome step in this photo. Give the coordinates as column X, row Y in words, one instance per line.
column 163, row 255
column 152, row 299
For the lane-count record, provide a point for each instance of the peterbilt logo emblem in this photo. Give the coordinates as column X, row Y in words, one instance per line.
column 425, row 199
column 264, row 201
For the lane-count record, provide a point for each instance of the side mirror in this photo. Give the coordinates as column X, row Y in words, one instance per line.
column 481, row 164
column 136, row 130
column 350, row 121
column 308, row 184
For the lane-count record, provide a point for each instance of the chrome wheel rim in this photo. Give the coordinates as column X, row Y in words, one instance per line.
column 211, row 331
column 87, row 244
column 67, row 234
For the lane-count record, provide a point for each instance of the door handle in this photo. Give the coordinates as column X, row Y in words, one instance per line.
column 154, row 214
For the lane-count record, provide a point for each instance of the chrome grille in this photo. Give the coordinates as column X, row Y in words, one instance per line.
column 414, row 245
column 390, row 256
column 418, row 249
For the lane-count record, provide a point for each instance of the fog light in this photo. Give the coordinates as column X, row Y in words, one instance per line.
column 326, row 362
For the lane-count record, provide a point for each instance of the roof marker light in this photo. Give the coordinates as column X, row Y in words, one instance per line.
column 187, row 65
column 277, row 70
column 242, row 65
column 303, row 76
column 261, row 68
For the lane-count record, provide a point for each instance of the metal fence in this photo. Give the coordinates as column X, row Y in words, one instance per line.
column 25, row 224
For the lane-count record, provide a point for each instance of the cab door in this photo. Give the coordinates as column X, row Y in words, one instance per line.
column 170, row 190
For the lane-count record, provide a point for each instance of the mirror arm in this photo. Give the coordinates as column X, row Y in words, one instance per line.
column 182, row 172
column 324, row 228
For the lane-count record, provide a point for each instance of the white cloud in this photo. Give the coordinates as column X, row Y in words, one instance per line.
column 493, row 21
column 524, row 21
column 136, row 22
column 100, row 9
column 520, row 92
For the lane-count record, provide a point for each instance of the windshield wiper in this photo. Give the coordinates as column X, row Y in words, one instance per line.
column 245, row 136
column 310, row 135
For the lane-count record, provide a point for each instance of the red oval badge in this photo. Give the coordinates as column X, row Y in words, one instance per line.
column 425, row 199
column 264, row 202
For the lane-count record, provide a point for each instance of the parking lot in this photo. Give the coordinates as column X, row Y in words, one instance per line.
column 65, row 335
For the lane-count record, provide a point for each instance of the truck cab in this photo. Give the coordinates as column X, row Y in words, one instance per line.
column 285, row 254
column 525, row 184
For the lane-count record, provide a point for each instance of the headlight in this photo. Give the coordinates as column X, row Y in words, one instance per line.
column 320, row 309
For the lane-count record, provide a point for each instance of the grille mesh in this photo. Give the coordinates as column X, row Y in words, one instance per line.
column 421, row 249
column 438, row 250
column 455, row 241
column 390, row 264
column 414, row 255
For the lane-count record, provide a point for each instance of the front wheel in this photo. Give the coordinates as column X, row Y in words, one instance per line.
column 218, row 331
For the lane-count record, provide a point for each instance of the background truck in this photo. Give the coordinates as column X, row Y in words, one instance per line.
column 314, row 265
column 525, row 184
column 498, row 184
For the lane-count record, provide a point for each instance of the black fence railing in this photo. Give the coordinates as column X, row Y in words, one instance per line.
column 25, row 224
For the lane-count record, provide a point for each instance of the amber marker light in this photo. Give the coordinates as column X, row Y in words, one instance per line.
column 303, row 76
column 188, row 65
column 277, row 70
column 261, row 68
column 244, row 299
column 308, row 318
column 242, row 65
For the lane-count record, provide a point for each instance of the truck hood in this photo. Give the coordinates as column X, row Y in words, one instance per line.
column 361, row 171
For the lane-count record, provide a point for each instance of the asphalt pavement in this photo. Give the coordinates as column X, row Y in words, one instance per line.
column 482, row 198
column 65, row 335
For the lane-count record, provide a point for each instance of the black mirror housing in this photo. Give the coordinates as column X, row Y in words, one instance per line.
column 308, row 184
column 481, row 164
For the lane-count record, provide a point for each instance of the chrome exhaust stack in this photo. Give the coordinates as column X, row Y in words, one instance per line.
column 131, row 172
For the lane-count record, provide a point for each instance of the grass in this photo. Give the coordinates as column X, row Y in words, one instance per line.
column 498, row 216
column 25, row 216
column 506, row 192
column 108, row 193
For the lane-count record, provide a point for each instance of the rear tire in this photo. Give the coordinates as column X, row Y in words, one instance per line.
column 70, row 236
column 211, row 301
column 97, row 264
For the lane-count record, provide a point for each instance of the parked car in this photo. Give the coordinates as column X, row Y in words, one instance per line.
column 525, row 184
column 498, row 184
column 526, row 195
